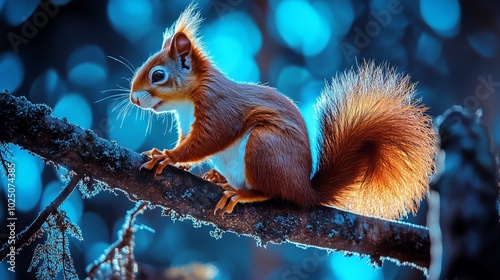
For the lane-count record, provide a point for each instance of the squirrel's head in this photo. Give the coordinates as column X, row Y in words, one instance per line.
column 170, row 75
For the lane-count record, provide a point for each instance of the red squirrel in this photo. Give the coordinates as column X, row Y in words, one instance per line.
column 376, row 144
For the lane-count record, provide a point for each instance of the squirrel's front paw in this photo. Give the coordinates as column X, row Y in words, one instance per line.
column 157, row 156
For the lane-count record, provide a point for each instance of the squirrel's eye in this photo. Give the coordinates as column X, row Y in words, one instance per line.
column 158, row 75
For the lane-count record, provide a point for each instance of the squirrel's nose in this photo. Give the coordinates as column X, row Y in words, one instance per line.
column 134, row 99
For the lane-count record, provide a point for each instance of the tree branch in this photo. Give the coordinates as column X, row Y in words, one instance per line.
column 185, row 195
column 25, row 237
column 126, row 240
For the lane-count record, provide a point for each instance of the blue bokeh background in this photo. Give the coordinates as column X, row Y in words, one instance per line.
column 55, row 52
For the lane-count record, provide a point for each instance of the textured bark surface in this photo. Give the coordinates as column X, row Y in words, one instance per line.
column 184, row 195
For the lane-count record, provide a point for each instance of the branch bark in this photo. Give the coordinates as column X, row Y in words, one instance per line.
column 185, row 195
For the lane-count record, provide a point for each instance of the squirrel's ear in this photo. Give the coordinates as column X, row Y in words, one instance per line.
column 166, row 43
column 180, row 48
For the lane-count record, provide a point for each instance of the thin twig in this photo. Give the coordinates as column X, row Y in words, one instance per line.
column 25, row 237
column 125, row 240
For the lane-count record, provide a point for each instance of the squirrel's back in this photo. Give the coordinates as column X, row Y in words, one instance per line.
column 376, row 146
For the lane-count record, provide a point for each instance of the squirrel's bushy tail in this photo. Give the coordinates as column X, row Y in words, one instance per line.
column 376, row 144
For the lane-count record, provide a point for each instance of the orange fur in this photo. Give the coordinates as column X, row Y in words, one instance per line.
column 376, row 145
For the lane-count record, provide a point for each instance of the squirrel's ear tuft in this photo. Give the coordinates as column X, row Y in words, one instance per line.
column 188, row 24
column 180, row 48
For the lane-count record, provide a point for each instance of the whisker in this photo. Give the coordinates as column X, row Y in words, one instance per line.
column 149, row 127
column 114, row 97
column 126, row 111
column 136, row 114
column 128, row 108
column 123, row 88
column 145, row 114
column 120, row 89
column 122, row 112
column 127, row 79
column 120, row 104
column 129, row 63
column 123, row 63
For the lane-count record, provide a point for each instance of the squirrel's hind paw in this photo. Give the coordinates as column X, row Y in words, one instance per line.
column 232, row 196
column 215, row 177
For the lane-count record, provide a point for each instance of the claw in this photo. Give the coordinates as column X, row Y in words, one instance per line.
column 161, row 166
column 221, row 205
column 184, row 166
column 231, row 204
column 214, row 177
column 227, row 187
column 147, row 165
column 157, row 156
column 152, row 152
column 231, row 197
column 230, row 194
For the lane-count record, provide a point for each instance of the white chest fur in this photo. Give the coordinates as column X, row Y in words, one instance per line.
column 184, row 112
column 231, row 163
